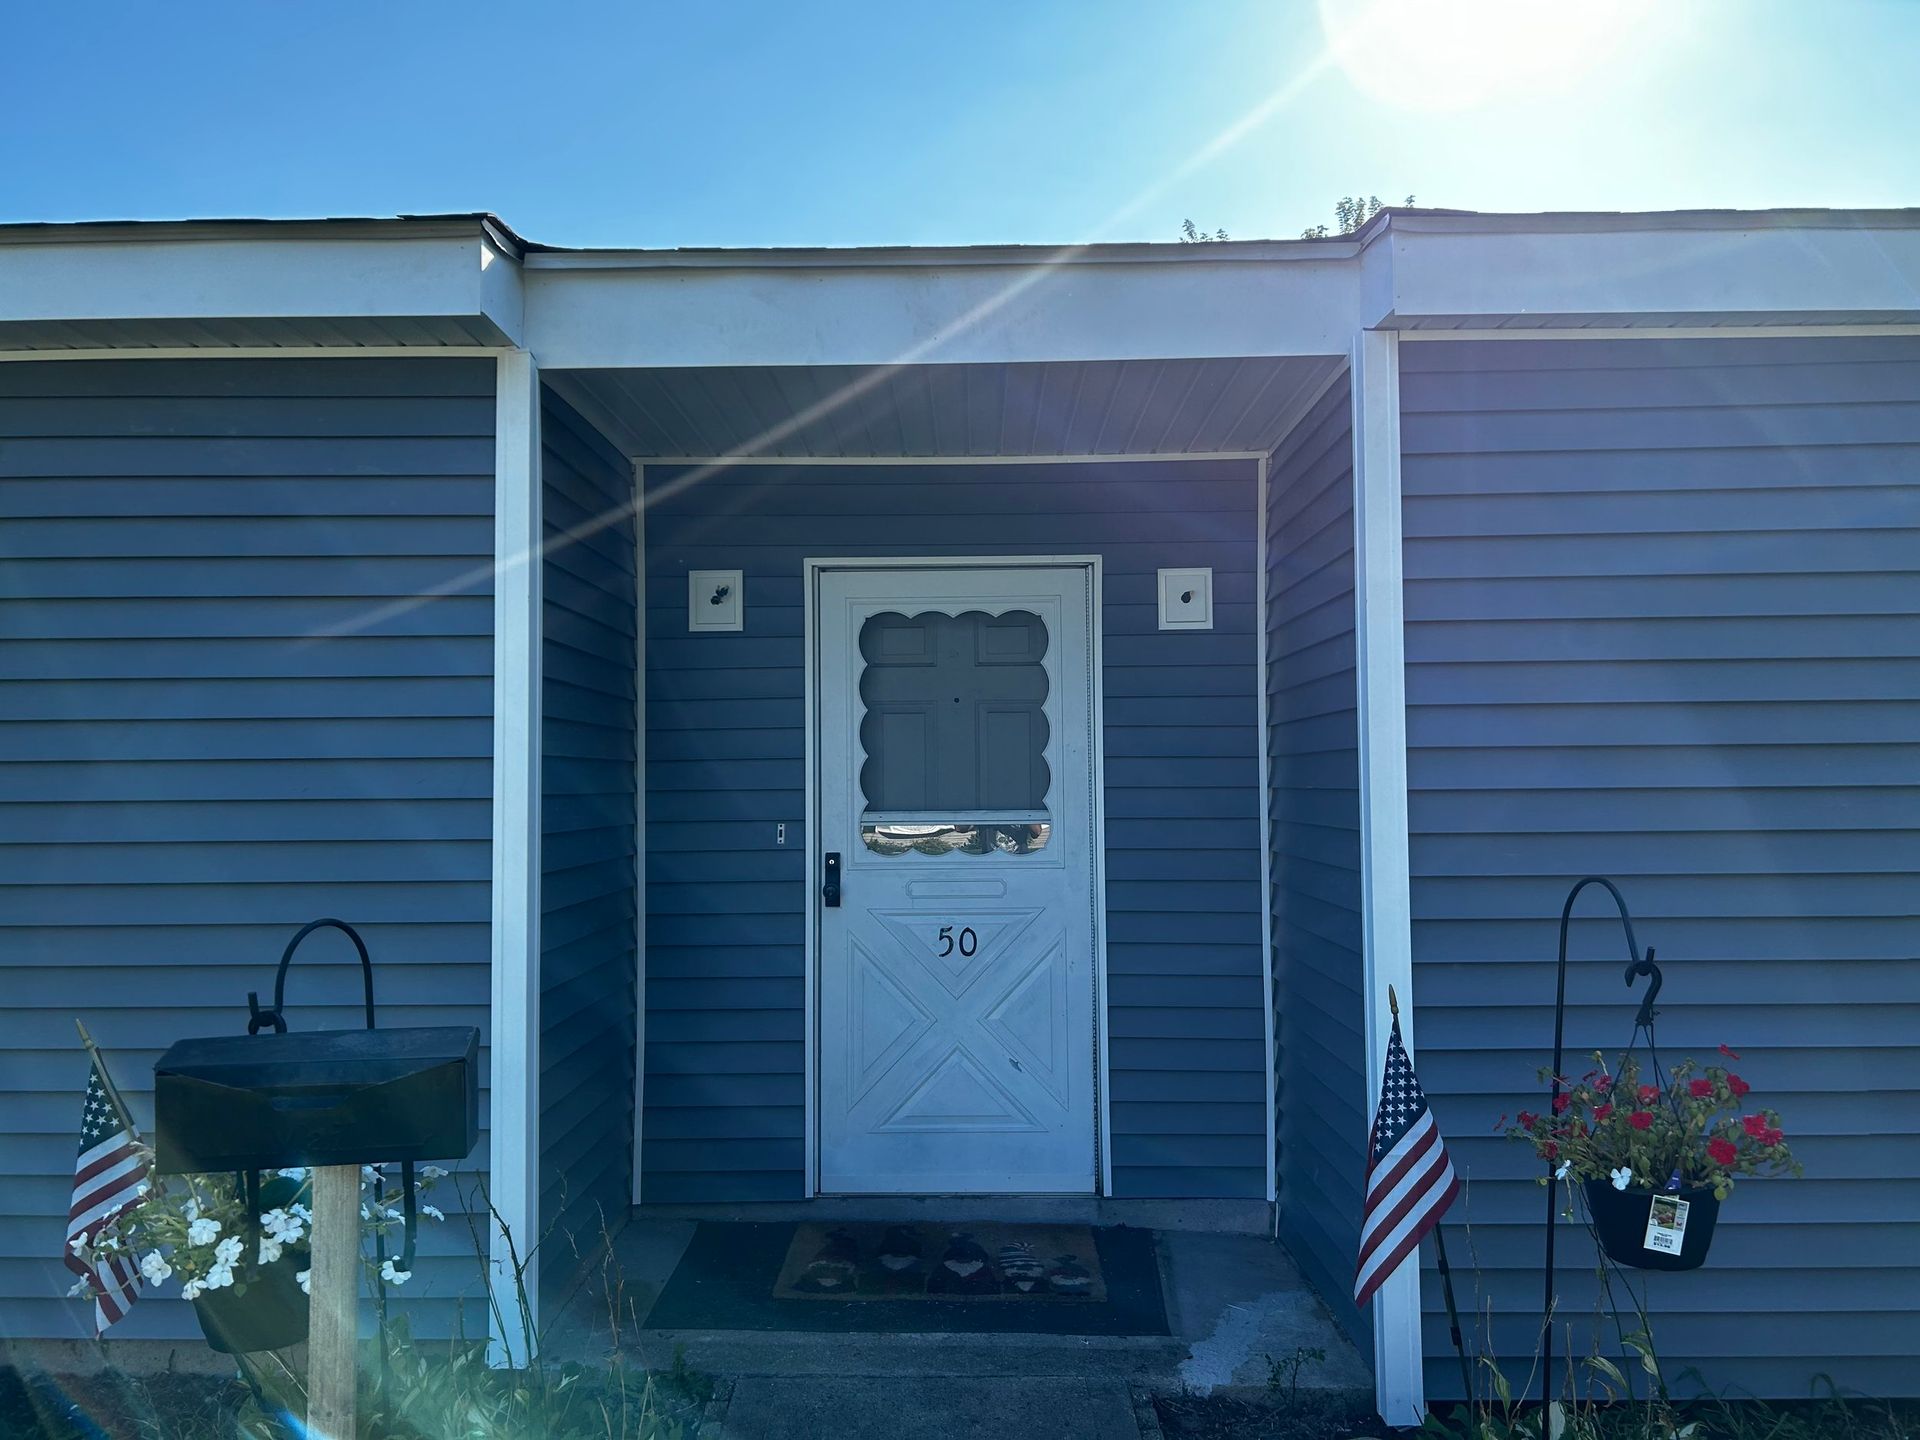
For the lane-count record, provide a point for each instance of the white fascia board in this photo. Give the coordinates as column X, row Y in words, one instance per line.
column 1829, row 273
column 599, row 317
column 227, row 277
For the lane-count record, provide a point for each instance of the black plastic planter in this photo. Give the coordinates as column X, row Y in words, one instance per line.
column 1620, row 1220
column 270, row 1315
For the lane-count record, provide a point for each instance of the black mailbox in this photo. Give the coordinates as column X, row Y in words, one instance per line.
column 317, row 1097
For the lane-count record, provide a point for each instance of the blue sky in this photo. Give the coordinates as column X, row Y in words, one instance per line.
column 753, row 123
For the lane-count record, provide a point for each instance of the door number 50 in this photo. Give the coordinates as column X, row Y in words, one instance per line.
column 969, row 942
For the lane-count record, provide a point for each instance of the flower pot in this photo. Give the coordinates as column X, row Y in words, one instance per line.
column 1620, row 1220
column 269, row 1315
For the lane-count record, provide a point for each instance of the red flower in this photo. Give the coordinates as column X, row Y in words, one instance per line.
column 1756, row 1125
column 1560, row 1103
column 1641, row 1119
column 1499, row 1124
column 1600, row 1112
column 1738, row 1086
column 1772, row 1136
column 1649, row 1094
column 1525, row 1119
column 1722, row 1151
column 1550, row 1150
column 1603, row 1084
column 1700, row 1089
column 1728, row 1053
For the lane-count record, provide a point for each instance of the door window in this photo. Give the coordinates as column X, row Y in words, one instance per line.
column 955, row 733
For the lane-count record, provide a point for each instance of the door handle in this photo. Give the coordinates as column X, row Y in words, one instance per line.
column 830, row 880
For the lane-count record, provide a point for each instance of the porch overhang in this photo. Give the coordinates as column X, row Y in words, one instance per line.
column 1238, row 406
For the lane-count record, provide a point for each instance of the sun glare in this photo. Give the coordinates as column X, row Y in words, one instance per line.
column 1458, row 54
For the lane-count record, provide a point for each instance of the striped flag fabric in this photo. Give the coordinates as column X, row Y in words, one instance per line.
column 106, row 1179
column 1410, row 1179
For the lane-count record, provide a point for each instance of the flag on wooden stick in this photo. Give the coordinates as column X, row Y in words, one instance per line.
column 1410, row 1179
column 109, row 1175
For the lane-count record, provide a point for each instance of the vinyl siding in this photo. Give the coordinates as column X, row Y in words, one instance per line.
column 1661, row 625
column 245, row 680
column 725, row 764
column 589, row 778
column 1313, row 770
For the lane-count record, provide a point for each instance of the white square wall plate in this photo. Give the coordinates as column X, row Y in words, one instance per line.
column 715, row 602
column 1186, row 599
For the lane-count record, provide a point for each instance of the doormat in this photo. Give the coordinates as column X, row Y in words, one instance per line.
column 1044, row 1264
column 915, row 1279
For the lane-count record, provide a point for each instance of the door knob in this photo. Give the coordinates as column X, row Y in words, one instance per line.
column 830, row 880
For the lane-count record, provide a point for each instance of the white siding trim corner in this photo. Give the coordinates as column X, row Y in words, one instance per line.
column 514, row 1169
column 1385, row 888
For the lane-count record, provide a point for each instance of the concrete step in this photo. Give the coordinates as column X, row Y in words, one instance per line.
column 862, row 1407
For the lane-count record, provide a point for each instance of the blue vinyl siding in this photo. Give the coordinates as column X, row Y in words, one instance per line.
column 725, row 763
column 589, row 779
column 1313, row 769
column 1663, row 623
column 228, row 706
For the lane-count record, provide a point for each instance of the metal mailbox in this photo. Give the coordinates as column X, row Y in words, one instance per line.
column 317, row 1097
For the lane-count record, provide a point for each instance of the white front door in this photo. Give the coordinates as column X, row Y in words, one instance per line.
column 955, row 1022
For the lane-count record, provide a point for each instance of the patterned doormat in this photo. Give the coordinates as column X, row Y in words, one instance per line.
column 1044, row 1264
column 915, row 1279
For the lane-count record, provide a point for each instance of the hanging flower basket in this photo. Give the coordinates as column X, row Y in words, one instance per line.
column 270, row 1314
column 1626, row 1141
column 1632, row 1233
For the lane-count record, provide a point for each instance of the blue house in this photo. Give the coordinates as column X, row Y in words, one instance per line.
column 993, row 720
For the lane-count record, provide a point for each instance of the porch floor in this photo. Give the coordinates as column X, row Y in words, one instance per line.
column 1234, row 1302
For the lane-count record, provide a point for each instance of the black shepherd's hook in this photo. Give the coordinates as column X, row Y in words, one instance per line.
column 276, row 1017
column 1636, row 965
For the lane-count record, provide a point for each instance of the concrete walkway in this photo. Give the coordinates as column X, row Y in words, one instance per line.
column 1235, row 1304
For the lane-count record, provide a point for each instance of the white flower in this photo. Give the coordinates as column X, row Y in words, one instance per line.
column 219, row 1277
column 78, row 1245
column 393, row 1276
column 191, row 1290
column 79, row 1288
column 228, row 1250
column 191, row 1210
column 305, row 1278
column 433, row 1212
column 302, row 1211
column 1623, row 1177
column 432, row 1172
column 155, row 1267
column 294, row 1172
column 1563, row 1171
column 142, row 1188
column 202, row 1230
column 269, row 1250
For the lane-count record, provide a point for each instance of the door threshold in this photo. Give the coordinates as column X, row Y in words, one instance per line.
column 1239, row 1217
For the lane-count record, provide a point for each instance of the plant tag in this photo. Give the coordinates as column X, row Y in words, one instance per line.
column 1666, row 1225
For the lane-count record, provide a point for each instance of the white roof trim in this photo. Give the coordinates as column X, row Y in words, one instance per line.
column 1407, row 270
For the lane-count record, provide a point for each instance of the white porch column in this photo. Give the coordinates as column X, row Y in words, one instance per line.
column 515, row 1160
column 1399, row 1386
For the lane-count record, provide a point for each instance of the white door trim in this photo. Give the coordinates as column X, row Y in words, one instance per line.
column 812, row 569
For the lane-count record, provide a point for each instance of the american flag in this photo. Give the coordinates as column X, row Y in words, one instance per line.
column 106, row 1179
column 1410, row 1180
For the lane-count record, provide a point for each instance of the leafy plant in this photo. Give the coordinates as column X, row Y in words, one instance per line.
column 447, row 1390
column 1613, row 1127
column 195, row 1228
column 1350, row 212
column 1290, row 1366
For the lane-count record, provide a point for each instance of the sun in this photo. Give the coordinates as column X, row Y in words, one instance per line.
column 1442, row 55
